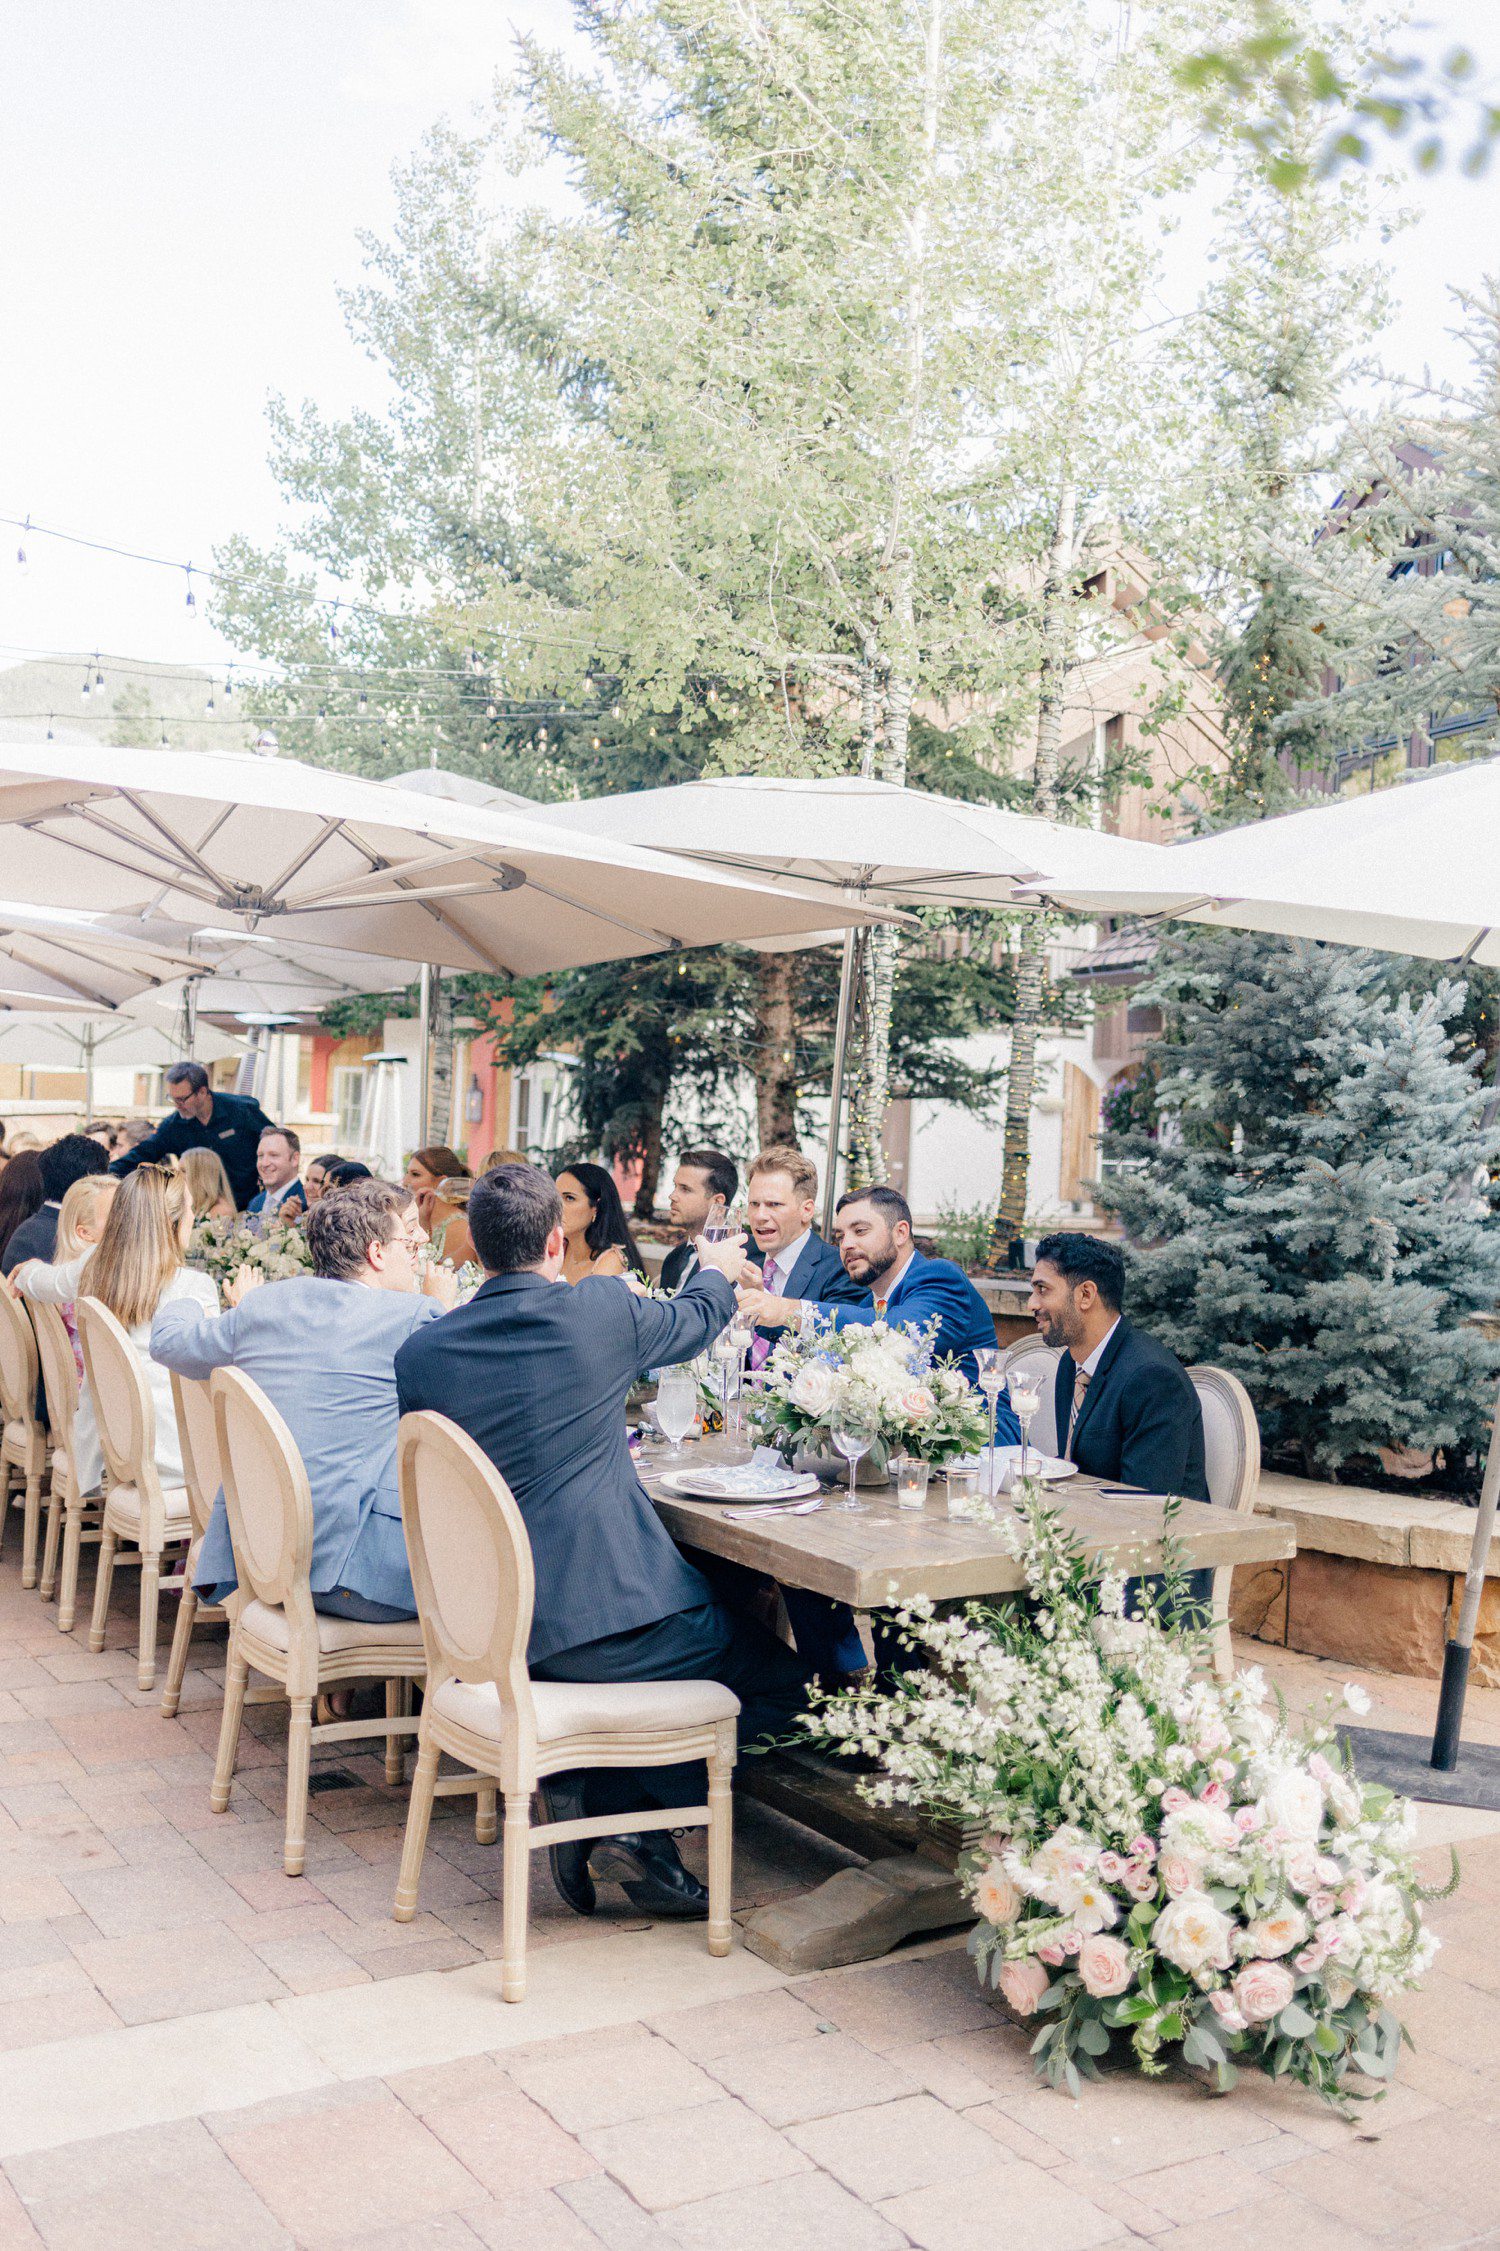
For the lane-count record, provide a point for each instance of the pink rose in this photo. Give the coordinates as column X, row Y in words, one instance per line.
column 1071, row 1941
column 1175, row 1800
column 917, row 1405
column 1321, row 1906
column 1313, row 1956
column 1222, row 2004
column 1104, row 1966
column 1262, row 1990
column 1111, row 1867
column 1139, row 1881
column 1180, row 1872
column 994, row 1846
column 1319, row 1768
column 1024, row 1985
column 1214, row 1793
column 1352, row 1893
column 1247, row 1818
column 1051, row 1953
column 996, row 1896
column 1143, row 1848
column 1223, row 1770
column 1328, row 1871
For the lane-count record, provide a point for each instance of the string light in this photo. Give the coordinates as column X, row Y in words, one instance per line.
column 50, row 736
column 192, row 599
column 21, row 562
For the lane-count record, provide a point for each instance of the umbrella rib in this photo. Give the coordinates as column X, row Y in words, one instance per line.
column 347, row 890
column 668, row 943
column 329, row 830
column 140, row 844
column 189, row 852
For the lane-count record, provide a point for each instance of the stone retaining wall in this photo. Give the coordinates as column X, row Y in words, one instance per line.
column 1376, row 1580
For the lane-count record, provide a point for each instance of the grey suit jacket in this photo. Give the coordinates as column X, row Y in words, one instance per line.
column 538, row 1374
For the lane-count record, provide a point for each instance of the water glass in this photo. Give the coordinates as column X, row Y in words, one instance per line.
column 1025, row 1398
column 676, row 1408
column 963, row 1488
column 854, row 1431
column 911, row 1481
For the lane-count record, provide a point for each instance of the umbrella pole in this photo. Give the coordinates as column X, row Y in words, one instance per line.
column 88, row 1073
column 424, row 1060
column 836, row 1089
column 190, row 1016
column 1457, row 1655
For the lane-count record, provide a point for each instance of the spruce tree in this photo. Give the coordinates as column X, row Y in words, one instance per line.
column 1302, row 1186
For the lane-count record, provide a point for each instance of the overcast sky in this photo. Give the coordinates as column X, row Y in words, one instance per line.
column 182, row 183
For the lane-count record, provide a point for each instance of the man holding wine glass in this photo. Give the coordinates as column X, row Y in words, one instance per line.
column 703, row 1191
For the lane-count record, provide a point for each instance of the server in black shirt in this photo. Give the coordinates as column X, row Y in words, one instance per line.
column 229, row 1124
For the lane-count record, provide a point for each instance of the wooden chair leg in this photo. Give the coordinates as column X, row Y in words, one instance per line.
column 150, row 1613
column 298, row 1763
column 235, row 1680
column 182, row 1634
column 48, row 1581
column 102, row 1586
column 397, row 1706
column 486, row 1815
column 516, row 1875
column 418, row 1815
column 720, row 1846
column 9, row 1472
column 32, row 1525
column 72, row 1551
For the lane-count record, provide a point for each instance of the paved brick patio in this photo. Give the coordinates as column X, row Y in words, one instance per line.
column 195, row 2052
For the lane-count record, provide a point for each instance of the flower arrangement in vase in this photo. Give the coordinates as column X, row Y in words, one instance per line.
column 220, row 1247
column 1172, row 1870
column 921, row 1408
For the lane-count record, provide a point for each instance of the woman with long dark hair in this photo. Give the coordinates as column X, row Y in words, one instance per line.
column 598, row 1234
column 21, row 1194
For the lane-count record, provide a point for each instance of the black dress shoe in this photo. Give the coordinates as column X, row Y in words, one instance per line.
column 562, row 1800
column 649, row 1869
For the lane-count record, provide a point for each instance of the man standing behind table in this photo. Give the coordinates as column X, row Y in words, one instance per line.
column 705, row 1181
column 1126, row 1408
column 278, row 1155
column 229, row 1124
column 795, row 1263
column 538, row 1375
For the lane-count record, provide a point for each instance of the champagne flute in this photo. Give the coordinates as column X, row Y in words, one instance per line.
column 718, row 1227
column 1025, row 1398
column 991, row 1383
column 854, row 1429
column 729, row 1357
column 676, row 1408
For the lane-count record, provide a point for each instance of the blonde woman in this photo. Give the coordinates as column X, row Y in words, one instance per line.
column 136, row 1267
column 80, row 1223
column 207, row 1184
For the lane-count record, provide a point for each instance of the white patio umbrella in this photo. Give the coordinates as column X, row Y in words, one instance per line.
column 76, row 1038
column 1413, row 869
column 267, row 843
column 857, row 839
column 47, row 962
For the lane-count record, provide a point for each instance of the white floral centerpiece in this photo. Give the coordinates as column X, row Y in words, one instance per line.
column 220, row 1247
column 1171, row 1867
column 921, row 1407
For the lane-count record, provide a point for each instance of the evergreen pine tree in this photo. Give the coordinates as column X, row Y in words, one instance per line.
column 1300, row 1197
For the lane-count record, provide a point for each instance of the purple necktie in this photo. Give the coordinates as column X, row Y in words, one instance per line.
column 770, row 1280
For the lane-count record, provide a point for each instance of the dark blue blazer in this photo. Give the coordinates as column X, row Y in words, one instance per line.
column 934, row 1288
column 537, row 1373
column 1140, row 1422
column 818, row 1276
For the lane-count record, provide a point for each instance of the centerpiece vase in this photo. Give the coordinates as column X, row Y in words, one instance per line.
column 829, row 1467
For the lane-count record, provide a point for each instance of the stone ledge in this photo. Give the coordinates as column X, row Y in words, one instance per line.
column 1413, row 1529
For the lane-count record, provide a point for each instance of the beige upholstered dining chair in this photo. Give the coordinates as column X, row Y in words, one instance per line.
column 273, row 1625
column 201, row 1481
column 139, row 1510
column 472, row 1569
column 1231, row 1447
column 1039, row 1360
column 73, row 1516
column 23, row 1445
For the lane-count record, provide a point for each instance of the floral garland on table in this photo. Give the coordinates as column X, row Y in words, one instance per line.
column 220, row 1247
column 922, row 1409
column 1171, row 1865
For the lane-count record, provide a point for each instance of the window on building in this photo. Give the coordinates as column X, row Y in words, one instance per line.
column 350, row 1087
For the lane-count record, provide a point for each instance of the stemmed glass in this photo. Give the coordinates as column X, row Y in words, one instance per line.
column 855, row 1429
column 676, row 1408
column 991, row 1383
column 1025, row 1398
column 729, row 1355
column 719, row 1225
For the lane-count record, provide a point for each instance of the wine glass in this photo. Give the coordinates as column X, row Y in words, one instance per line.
column 729, row 1357
column 718, row 1226
column 676, row 1408
column 854, row 1429
column 991, row 1383
column 1025, row 1398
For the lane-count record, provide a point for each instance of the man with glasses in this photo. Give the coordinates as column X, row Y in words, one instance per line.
column 322, row 1347
column 229, row 1124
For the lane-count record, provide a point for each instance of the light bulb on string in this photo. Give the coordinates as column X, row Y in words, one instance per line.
column 490, row 712
column 50, row 736
column 618, row 711
column 588, row 683
column 98, row 671
column 191, row 604
column 208, row 707
column 22, row 560
column 164, row 744
column 229, row 684
column 364, row 703
column 322, row 718
column 88, row 686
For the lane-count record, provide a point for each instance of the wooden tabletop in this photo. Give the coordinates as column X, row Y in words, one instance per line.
column 882, row 1555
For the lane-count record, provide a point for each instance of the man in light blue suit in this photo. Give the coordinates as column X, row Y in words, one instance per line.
column 322, row 1347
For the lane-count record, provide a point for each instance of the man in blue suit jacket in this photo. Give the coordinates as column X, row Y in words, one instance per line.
column 873, row 1227
column 322, row 1347
column 795, row 1262
column 538, row 1373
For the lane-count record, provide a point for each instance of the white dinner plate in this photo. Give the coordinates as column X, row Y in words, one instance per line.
column 1047, row 1467
column 713, row 1485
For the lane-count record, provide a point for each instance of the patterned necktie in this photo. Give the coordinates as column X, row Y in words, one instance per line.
column 770, row 1282
column 1080, row 1386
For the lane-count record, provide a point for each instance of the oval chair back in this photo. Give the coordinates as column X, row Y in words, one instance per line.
column 270, row 1509
column 59, row 1372
column 199, row 1439
column 1039, row 1360
column 123, row 1406
column 472, row 1570
column 18, row 1362
column 1231, row 1459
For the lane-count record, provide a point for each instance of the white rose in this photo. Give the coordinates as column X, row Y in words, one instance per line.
column 1192, row 1933
column 813, row 1389
column 1276, row 1934
column 1199, row 1828
column 1294, row 1802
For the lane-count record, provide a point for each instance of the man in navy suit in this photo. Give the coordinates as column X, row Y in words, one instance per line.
column 538, row 1374
column 795, row 1263
column 1126, row 1407
column 705, row 1180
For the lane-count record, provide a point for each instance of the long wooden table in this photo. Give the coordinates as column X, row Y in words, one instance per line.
column 874, row 1558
